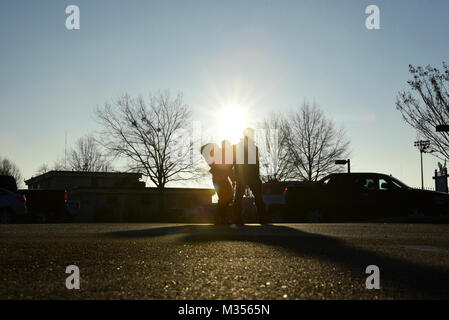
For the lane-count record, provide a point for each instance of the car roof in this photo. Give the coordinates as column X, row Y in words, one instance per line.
column 280, row 182
column 358, row 173
column 6, row 190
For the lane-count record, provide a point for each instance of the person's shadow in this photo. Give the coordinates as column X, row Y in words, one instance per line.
column 424, row 280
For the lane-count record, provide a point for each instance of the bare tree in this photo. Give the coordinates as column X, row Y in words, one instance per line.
column 9, row 168
column 275, row 164
column 153, row 136
column 60, row 164
column 313, row 143
column 44, row 168
column 427, row 105
column 87, row 156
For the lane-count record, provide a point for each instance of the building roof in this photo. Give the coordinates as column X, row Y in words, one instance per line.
column 148, row 190
column 130, row 175
column 55, row 173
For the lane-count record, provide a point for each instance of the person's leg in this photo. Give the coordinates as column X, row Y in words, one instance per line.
column 240, row 185
column 216, row 212
column 225, row 193
column 239, row 192
column 256, row 189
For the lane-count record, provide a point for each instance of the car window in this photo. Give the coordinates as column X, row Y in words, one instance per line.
column 383, row 184
column 397, row 184
column 365, row 183
column 370, row 184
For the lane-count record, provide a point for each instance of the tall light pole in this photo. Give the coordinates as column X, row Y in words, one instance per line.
column 422, row 145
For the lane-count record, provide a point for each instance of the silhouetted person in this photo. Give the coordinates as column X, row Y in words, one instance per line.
column 246, row 167
column 222, row 175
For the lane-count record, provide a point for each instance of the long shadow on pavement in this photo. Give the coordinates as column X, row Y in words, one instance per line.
column 424, row 280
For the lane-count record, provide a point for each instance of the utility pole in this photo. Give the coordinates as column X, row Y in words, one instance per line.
column 422, row 175
column 65, row 151
column 422, row 145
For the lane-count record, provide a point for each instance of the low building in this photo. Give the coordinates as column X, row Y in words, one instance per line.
column 122, row 197
column 70, row 180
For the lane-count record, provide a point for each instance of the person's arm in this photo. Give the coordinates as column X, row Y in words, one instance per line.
column 257, row 161
column 232, row 174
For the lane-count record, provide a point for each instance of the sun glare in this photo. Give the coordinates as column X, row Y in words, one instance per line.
column 231, row 122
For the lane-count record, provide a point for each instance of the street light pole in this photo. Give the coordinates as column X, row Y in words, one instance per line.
column 422, row 175
column 422, row 145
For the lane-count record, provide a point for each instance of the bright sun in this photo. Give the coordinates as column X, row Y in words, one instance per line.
column 231, row 122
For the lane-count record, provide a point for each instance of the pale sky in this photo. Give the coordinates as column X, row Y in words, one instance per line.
column 265, row 55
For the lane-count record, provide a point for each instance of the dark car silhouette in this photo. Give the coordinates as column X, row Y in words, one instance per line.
column 360, row 196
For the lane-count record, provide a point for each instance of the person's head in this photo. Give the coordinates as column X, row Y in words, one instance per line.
column 249, row 132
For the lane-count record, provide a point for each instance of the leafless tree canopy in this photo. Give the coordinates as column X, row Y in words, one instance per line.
column 87, row 156
column 313, row 143
column 427, row 105
column 150, row 135
column 273, row 155
column 61, row 164
column 43, row 169
column 9, row 168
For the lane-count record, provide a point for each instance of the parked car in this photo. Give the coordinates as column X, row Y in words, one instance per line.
column 360, row 196
column 46, row 205
column 12, row 206
column 73, row 206
column 273, row 196
column 40, row 205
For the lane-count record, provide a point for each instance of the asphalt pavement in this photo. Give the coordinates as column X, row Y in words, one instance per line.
column 179, row 261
